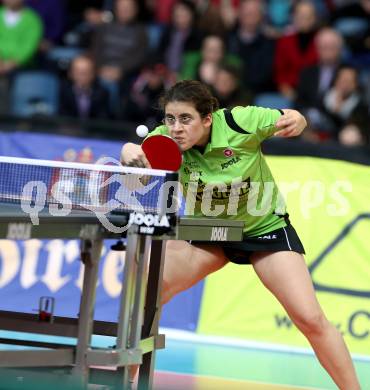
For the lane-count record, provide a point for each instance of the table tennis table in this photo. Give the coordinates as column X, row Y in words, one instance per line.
column 137, row 328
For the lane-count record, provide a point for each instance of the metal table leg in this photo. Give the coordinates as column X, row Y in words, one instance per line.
column 90, row 255
column 152, row 311
column 132, row 298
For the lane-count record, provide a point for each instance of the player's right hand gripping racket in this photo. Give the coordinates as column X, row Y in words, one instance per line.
column 162, row 152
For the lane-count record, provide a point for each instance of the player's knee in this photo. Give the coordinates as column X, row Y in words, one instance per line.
column 311, row 323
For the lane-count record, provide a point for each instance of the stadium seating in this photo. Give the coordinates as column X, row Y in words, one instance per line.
column 34, row 93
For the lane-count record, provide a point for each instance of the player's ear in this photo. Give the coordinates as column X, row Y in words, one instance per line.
column 207, row 120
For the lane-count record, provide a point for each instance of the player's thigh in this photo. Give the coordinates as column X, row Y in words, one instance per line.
column 286, row 275
column 186, row 264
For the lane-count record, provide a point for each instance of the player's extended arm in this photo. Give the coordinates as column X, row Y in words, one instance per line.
column 291, row 124
column 133, row 156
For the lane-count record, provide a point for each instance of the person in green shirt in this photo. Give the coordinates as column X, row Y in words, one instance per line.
column 222, row 156
column 20, row 34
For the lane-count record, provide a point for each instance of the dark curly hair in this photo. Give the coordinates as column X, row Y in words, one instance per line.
column 191, row 91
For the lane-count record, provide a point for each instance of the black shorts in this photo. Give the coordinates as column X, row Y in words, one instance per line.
column 283, row 239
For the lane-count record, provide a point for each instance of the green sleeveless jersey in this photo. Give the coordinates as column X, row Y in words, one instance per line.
column 230, row 177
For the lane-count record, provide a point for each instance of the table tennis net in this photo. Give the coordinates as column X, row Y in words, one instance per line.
column 103, row 188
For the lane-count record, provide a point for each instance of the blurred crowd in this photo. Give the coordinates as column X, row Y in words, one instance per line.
column 112, row 59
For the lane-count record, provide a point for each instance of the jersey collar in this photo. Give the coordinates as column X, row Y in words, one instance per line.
column 219, row 139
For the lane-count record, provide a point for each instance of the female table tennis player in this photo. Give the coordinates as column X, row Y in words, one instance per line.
column 219, row 146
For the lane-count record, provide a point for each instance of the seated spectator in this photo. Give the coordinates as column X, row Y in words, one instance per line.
column 20, row 34
column 217, row 16
column 179, row 36
column 163, row 11
column 352, row 135
column 354, row 21
column 120, row 47
column 140, row 104
column 83, row 17
column 315, row 80
column 82, row 96
column 279, row 12
column 95, row 16
column 344, row 97
column 255, row 50
column 296, row 50
column 203, row 65
column 53, row 15
column 344, row 105
column 227, row 88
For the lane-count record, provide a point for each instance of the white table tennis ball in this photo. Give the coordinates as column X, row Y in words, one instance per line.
column 142, row 131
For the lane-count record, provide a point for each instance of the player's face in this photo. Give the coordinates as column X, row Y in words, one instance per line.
column 186, row 126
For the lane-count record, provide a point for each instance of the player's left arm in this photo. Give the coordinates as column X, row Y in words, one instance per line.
column 291, row 124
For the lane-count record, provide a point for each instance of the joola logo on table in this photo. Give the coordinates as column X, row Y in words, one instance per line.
column 219, row 234
column 233, row 161
column 19, row 231
column 149, row 220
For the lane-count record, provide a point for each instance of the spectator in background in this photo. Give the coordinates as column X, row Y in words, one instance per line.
column 296, row 50
column 53, row 15
column 180, row 36
column 353, row 20
column 120, row 47
column 217, row 16
column 140, row 104
column 93, row 16
column 227, row 89
column 20, row 35
column 163, row 10
column 278, row 12
column 315, row 80
column 256, row 51
column 203, row 65
column 344, row 103
column 83, row 17
column 82, row 96
column 217, row 13
column 352, row 135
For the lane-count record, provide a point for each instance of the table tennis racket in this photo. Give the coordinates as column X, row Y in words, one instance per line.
column 162, row 152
